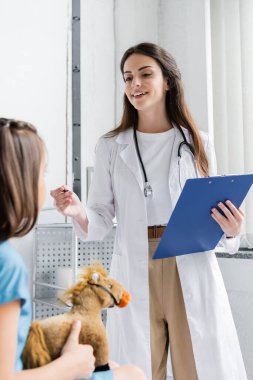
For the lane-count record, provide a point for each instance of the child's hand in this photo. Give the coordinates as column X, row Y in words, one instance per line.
column 80, row 355
column 231, row 223
column 66, row 202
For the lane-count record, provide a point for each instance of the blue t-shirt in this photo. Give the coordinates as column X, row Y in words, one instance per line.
column 103, row 375
column 14, row 286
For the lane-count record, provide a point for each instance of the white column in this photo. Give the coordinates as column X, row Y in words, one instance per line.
column 246, row 27
column 227, row 85
column 97, row 77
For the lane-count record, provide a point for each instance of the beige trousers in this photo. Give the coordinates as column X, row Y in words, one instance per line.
column 168, row 322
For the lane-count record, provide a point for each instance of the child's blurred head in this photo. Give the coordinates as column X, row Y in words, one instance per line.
column 22, row 186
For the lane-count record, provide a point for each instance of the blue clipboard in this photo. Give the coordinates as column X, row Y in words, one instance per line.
column 191, row 227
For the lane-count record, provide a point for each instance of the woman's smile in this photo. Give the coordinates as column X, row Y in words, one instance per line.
column 139, row 94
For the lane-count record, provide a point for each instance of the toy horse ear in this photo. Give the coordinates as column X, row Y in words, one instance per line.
column 95, row 277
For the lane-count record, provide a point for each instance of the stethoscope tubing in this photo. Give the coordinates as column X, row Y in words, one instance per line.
column 147, row 186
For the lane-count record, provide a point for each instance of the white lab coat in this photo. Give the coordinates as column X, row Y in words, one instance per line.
column 117, row 187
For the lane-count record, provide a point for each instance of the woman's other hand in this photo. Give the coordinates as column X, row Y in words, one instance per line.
column 80, row 355
column 231, row 223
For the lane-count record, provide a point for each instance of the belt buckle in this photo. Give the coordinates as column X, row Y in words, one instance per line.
column 154, row 232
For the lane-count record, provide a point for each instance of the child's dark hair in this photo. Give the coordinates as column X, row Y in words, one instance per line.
column 21, row 155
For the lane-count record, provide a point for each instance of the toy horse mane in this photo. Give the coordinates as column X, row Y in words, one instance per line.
column 85, row 276
column 93, row 275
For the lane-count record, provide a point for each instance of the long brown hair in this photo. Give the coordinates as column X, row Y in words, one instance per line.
column 21, row 154
column 176, row 107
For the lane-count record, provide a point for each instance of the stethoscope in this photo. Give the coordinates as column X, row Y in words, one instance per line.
column 148, row 192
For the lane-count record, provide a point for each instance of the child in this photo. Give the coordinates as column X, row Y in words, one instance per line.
column 22, row 189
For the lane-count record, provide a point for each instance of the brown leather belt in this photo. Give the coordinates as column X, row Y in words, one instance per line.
column 155, row 231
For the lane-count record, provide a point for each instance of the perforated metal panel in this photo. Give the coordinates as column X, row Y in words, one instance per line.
column 88, row 252
column 56, row 246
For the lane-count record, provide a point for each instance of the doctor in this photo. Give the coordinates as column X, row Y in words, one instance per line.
column 141, row 166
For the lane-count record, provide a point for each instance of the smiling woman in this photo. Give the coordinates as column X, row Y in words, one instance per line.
column 145, row 85
column 155, row 122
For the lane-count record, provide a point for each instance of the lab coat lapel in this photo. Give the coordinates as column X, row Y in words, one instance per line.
column 129, row 155
column 174, row 185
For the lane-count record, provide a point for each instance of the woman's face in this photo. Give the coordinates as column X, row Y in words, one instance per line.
column 42, row 183
column 145, row 85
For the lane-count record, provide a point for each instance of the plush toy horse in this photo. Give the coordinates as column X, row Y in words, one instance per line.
column 94, row 292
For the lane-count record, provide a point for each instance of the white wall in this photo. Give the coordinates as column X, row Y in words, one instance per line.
column 135, row 22
column 33, row 82
column 232, row 58
column 184, row 29
column 97, row 77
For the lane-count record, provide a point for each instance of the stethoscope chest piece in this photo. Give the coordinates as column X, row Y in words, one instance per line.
column 148, row 192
